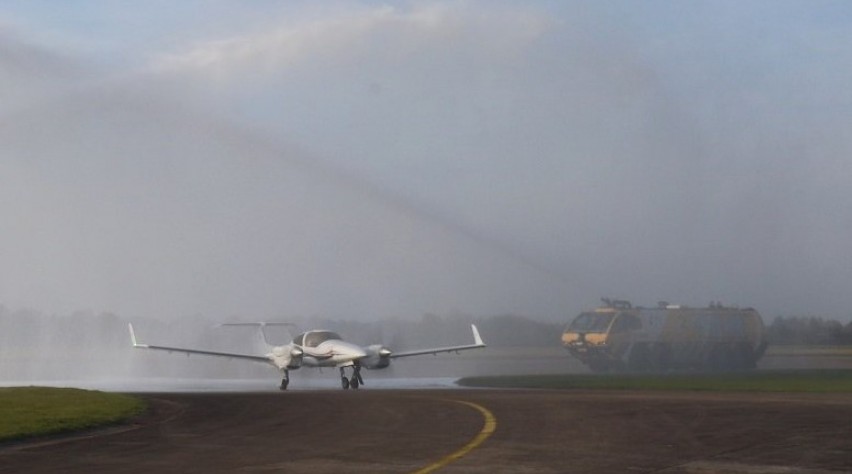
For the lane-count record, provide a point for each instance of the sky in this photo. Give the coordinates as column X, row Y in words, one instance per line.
column 364, row 160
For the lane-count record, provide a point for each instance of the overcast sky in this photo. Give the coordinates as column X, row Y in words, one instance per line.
column 363, row 160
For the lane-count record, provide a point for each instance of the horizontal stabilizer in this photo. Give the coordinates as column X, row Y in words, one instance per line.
column 263, row 340
column 259, row 323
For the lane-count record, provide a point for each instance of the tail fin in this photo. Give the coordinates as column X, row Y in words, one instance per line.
column 262, row 339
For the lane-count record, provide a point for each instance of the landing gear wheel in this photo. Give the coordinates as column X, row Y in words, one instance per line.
column 285, row 381
column 344, row 382
column 353, row 383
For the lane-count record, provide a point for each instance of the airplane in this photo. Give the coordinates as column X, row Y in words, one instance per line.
column 316, row 348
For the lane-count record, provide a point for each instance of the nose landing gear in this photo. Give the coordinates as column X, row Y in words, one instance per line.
column 354, row 382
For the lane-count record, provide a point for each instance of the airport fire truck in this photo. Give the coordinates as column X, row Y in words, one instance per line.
column 620, row 337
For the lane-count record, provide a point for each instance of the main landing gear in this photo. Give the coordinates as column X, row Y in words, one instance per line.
column 354, row 382
column 285, row 381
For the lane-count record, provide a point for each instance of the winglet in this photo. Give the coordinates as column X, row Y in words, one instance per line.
column 133, row 336
column 477, row 339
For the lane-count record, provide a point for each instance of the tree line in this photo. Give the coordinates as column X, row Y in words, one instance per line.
column 28, row 328
column 808, row 330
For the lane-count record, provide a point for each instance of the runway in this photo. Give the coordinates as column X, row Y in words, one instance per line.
column 403, row 431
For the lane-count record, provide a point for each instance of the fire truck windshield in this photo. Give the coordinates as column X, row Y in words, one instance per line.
column 591, row 322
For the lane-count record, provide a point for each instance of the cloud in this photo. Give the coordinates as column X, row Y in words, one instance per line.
column 392, row 32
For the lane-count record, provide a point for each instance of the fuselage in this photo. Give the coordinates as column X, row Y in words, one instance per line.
column 316, row 349
column 332, row 353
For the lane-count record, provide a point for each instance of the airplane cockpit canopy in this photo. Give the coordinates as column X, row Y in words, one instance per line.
column 315, row 338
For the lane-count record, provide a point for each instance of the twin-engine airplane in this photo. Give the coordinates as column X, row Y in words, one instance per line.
column 317, row 348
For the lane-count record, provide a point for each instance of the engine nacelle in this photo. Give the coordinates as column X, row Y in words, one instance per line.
column 295, row 358
column 378, row 357
column 287, row 357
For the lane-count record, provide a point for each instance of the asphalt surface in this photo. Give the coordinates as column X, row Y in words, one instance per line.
column 408, row 430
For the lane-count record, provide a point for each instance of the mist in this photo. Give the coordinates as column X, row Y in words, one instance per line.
column 362, row 162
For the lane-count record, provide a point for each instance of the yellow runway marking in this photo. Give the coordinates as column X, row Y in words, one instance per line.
column 487, row 430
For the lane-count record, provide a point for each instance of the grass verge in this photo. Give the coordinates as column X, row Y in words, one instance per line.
column 818, row 381
column 809, row 351
column 36, row 411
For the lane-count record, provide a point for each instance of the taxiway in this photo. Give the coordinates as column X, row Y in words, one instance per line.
column 399, row 431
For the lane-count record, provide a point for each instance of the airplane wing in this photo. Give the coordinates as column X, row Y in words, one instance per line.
column 477, row 344
column 256, row 358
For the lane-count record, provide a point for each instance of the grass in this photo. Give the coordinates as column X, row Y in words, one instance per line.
column 812, row 351
column 817, row 381
column 36, row 411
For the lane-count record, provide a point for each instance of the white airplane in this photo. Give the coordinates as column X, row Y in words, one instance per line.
column 317, row 348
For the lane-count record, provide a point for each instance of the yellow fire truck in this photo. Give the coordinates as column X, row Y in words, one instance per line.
column 620, row 337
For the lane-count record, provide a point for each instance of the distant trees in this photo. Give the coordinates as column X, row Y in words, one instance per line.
column 520, row 331
column 26, row 330
column 429, row 330
column 808, row 330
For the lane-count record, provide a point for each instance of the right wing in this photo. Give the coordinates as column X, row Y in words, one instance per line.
column 255, row 358
column 477, row 344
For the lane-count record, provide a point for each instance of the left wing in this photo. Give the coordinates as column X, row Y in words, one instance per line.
column 477, row 344
column 256, row 358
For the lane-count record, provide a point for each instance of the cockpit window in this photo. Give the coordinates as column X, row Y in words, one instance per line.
column 591, row 322
column 315, row 338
